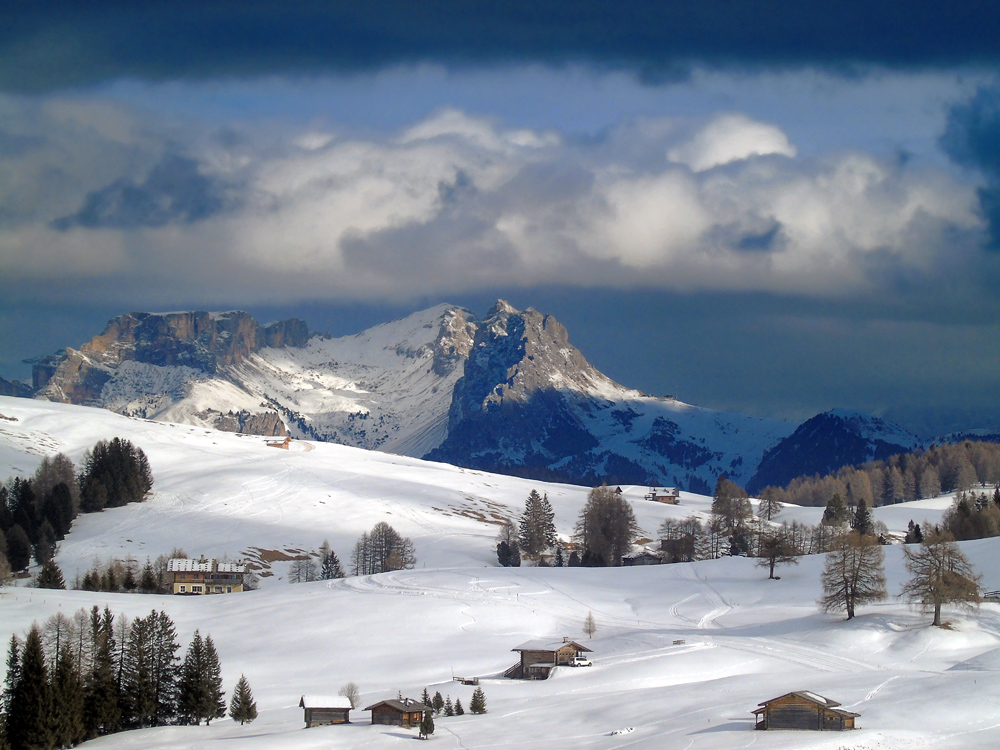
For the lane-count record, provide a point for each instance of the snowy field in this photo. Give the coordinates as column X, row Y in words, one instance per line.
column 682, row 654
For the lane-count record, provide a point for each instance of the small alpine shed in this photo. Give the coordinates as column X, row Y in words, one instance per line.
column 803, row 710
column 405, row 713
column 321, row 710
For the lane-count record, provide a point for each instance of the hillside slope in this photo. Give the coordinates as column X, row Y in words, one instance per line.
column 682, row 654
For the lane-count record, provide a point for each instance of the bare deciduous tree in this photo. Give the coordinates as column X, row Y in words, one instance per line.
column 940, row 574
column 853, row 574
column 606, row 527
column 589, row 625
column 776, row 548
column 352, row 692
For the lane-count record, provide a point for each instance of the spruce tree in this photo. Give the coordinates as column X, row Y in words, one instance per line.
column 862, row 520
column 50, row 576
column 458, row 707
column 835, row 512
column 102, row 714
column 67, row 692
column 243, row 708
column 478, row 703
column 425, row 698
column 191, row 690
column 426, row 725
column 215, row 705
column 438, row 702
column 449, row 710
column 147, row 579
column 30, row 719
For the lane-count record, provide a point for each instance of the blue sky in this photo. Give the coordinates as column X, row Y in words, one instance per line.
column 757, row 206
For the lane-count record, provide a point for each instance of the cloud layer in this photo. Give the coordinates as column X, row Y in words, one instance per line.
column 94, row 197
column 54, row 45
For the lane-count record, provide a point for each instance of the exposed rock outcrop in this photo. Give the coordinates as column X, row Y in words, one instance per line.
column 15, row 388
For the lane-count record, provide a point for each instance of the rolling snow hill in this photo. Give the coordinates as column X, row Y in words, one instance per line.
column 682, row 653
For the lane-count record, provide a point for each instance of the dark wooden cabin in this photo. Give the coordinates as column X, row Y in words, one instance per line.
column 321, row 710
column 405, row 713
column 539, row 657
column 803, row 710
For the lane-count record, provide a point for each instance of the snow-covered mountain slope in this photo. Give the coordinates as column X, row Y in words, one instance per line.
column 388, row 388
column 826, row 442
column 531, row 404
column 682, row 653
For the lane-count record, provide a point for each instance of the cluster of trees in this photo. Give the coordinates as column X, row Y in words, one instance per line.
column 940, row 574
column 380, row 550
column 907, row 476
column 973, row 515
column 94, row 674
column 603, row 534
column 439, row 705
column 114, row 474
column 307, row 569
column 37, row 512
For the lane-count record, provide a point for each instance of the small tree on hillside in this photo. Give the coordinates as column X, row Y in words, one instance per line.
column 50, row 576
column 426, row 725
column 862, row 521
column 776, row 549
column 537, row 530
column 478, row 703
column 438, row 702
column 589, row 626
column 835, row 513
column 459, row 711
column 770, row 505
column 243, row 708
column 606, row 528
column 940, row 574
column 853, row 574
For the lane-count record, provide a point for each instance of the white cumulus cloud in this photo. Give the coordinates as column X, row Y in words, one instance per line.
column 729, row 138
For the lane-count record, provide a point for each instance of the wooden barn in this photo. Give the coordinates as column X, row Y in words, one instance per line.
column 405, row 713
column 803, row 710
column 669, row 495
column 539, row 657
column 321, row 710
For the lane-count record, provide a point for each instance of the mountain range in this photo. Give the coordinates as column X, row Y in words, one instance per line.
column 506, row 393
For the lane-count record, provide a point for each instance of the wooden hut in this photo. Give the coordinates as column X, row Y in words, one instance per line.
column 539, row 657
column 803, row 710
column 405, row 713
column 325, row 709
column 669, row 495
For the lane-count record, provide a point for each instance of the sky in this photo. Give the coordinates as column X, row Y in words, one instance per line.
column 764, row 207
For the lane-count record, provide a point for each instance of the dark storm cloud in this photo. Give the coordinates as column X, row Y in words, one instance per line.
column 972, row 138
column 50, row 45
column 174, row 192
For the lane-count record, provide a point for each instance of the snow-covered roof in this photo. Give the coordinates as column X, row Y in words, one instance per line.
column 407, row 704
column 814, row 698
column 324, row 701
column 179, row 564
column 548, row 645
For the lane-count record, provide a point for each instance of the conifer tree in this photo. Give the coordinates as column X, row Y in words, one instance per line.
column 102, row 714
column 835, row 512
column 67, row 693
column 50, row 576
column 459, row 710
column 426, row 725
column 29, row 720
column 216, row 703
column 449, row 709
column 330, row 567
column 478, row 703
column 438, row 702
column 13, row 673
column 862, row 521
column 147, row 579
column 537, row 531
column 200, row 694
column 243, row 708
column 425, row 698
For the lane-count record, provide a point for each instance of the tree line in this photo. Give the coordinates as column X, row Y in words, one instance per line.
column 380, row 550
column 906, row 476
column 95, row 673
column 37, row 512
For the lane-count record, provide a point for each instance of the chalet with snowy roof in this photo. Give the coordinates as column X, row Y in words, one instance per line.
column 203, row 576
column 803, row 710
column 539, row 657
column 669, row 495
column 405, row 713
column 642, row 555
column 321, row 710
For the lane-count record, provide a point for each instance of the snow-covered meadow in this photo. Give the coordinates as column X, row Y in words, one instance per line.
column 682, row 654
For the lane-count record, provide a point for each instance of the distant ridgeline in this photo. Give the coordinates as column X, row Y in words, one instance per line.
column 899, row 478
column 36, row 513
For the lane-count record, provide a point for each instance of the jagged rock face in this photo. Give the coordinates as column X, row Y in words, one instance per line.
column 267, row 423
column 206, row 342
column 15, row 388
column 823, row 444
column 530, row 404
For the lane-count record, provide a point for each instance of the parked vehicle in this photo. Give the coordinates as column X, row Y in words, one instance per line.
column 580, row 661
